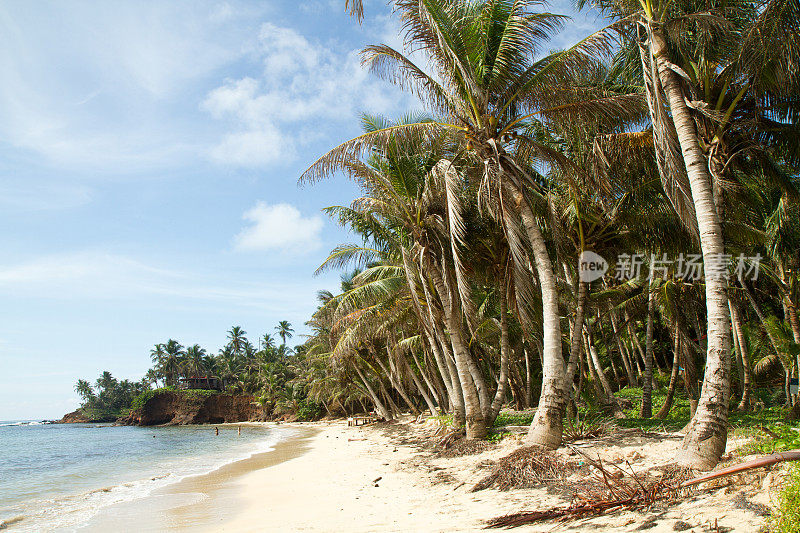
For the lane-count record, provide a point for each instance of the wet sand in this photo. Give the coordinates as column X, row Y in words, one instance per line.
column 200, row 502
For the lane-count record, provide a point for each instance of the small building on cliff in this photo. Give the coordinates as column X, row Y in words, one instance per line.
column 200, row 382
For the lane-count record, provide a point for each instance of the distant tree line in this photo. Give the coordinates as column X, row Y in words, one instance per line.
column 108, row 397
column 275, row 373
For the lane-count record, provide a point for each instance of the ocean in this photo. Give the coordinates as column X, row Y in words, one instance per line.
column 56, row 477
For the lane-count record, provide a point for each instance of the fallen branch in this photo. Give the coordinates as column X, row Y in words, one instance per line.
column 606, row 493
column 767, row 460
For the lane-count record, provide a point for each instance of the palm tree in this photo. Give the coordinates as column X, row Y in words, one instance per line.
column 491, row 85
column 237, row 341
column 267, row 342
column 728, row 58
column 173, row 362
column 195, row 360
column 284, row 330
column 84, row 390
column 158, row 356
column 151, row 377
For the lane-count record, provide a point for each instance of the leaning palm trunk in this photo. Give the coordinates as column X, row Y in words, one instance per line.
column 396, row 383
column 505, row 350
column 422, row 389
column 433, row 396
column 646, row 409
column 673, row 378
column 623, row 350
column 776, row 345
column 577, row 328
column 594, row 361
column 741, row 341
column 473, row 413
column 708, row 431
column 443, row 360
column 548, row 423
column 376, row 401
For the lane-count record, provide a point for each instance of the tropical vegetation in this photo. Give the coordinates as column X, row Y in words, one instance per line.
column 281, row 378
column 608, row 229
column 664, row 142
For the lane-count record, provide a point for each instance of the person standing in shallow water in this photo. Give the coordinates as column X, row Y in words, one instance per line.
column 240, row 430
column 216, row 429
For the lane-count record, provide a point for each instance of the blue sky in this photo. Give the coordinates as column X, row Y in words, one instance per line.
column 149, row 156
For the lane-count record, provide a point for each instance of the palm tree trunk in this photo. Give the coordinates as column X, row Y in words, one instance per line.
column 427, row 322
column 604, row 341
column 475, row 423
column 548, row 423
column 505, row 349
column 772, row 340
column 381, row 408
column 741, row 341
column 791, row 315
column 608, row 392
column 673, row 378
column 598, row 387
column 423, row 390
column 396, row 384
column 646, row 409
column 432, row 390
column 577, row 329
column 444, row 359
column 635, row 343
column 528, row 378
column 705, row 441
column 388, row 397
column 623, row 350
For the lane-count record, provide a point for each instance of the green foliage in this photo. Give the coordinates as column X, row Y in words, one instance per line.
column 772, row 439
column 444, row 420
column 514, row 418
column 194, row 394
column 497, row 436
column 108, row 398
column 787, row 517
column 308, row 410
column 143, row 398
column 677, row 418
column 768, row 416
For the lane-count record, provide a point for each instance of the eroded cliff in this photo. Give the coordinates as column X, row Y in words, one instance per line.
column 192, row 407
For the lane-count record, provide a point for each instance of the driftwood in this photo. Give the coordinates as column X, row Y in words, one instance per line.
column 767, row 460
column 630, row 492
column 607, row 492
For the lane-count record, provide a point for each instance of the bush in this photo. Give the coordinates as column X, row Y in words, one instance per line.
column 143, row 398
column 514, row 418
column 195, row 394
column 308, row 410
column 787, row 517
column 774, row 439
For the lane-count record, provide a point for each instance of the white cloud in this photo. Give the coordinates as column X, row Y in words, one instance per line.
column 301, row 83
column 99, row 87
column 95, row 275
column 27, row 195
column 259, row 146
column 278, row 227
column 92, row 274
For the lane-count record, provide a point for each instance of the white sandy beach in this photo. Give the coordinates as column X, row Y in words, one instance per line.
column 366, row 479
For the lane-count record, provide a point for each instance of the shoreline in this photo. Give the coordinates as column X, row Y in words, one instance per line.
column 390, row 477
column 197, row 500
column 326, row 476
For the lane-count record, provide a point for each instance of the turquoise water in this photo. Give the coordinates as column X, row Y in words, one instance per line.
column 57, row 476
